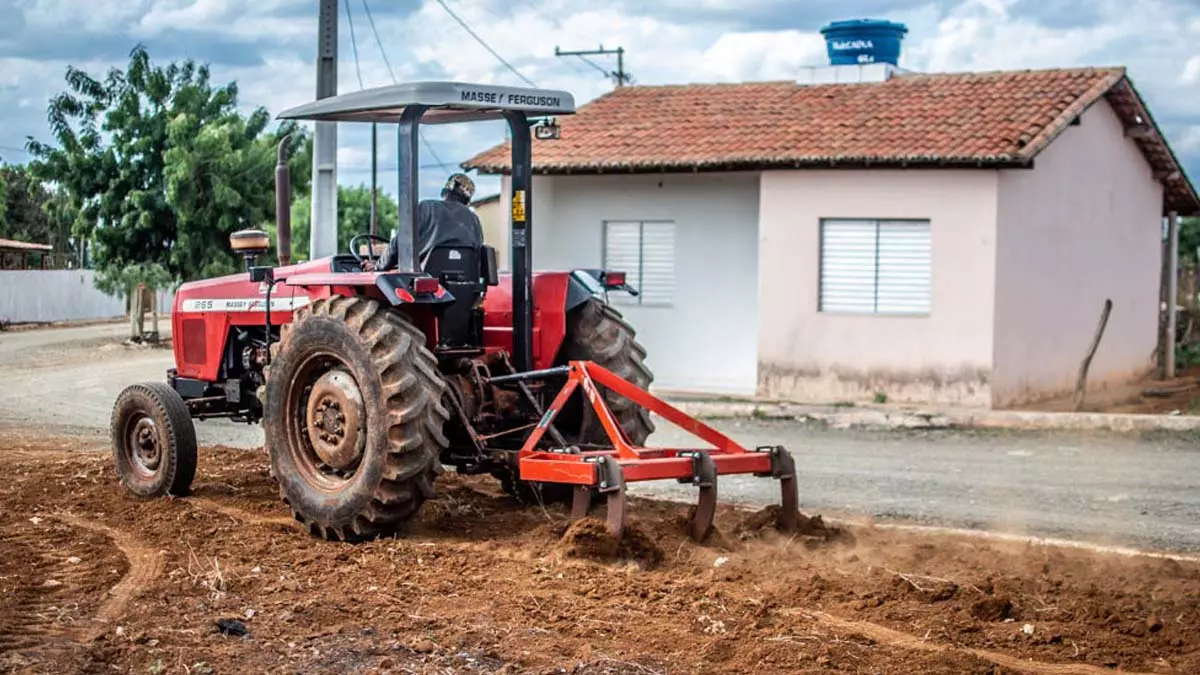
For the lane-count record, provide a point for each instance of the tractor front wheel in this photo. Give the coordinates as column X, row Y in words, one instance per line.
column 154, row 441
column 354, row 418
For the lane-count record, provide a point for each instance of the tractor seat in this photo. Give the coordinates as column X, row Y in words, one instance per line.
column 466, row 272
column 464, row 267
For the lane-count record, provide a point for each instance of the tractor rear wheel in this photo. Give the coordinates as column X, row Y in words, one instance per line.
column 154, row 441
column 354, row 418
column 595, row 332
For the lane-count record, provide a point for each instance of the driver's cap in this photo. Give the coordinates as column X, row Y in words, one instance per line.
column 460, row 183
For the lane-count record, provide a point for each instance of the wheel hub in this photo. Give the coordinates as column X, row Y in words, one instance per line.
column 144, row 441
column 335, row 420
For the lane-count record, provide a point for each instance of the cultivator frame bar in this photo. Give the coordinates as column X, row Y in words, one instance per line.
column 608, row 470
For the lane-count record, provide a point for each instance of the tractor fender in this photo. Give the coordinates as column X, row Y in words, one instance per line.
column 591, row 283
column 399, row 288
column 581, row 286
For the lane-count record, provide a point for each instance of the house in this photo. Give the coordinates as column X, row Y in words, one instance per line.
column 495, row 226
column 942, row 238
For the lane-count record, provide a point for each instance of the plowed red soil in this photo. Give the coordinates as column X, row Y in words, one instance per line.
column 95, row 581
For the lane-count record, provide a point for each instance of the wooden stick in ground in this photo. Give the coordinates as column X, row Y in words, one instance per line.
column 1081, row 383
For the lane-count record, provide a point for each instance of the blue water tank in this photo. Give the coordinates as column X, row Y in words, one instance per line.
column 863, row 41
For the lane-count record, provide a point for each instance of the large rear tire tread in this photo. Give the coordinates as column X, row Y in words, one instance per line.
column 597, row 332
column 403, row 394
column 176, row 437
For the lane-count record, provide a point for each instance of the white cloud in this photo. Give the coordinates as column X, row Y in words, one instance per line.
column 90, row 15
column 1189, row 140
column 762, row 55
column 245, row 21
column 1191, row 71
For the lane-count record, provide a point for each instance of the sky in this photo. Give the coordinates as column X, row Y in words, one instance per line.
column 269, row 48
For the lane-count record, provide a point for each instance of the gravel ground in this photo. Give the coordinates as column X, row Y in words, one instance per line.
column 1114, row 489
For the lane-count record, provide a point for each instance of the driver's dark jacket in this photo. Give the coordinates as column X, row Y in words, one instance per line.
column 440, row 222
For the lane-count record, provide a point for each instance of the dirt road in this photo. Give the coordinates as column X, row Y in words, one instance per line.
column 1125, row 490
column 223, row 581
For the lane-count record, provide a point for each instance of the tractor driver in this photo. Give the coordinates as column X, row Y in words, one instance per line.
column 440, row 222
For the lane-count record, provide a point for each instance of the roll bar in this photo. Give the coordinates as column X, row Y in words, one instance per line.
column 411, row 104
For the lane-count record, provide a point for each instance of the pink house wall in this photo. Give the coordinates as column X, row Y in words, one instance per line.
column 1083, row 225
column 807, row 355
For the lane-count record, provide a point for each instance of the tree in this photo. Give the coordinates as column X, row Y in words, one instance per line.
column 354, row 218
column 159, row 166
column 1189, row 238
column 21, row 200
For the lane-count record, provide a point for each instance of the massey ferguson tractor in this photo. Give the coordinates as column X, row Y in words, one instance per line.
column 368, row 383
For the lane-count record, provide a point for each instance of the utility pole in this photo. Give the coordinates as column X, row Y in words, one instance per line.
column 323, row 236
column 374, row 179
column 622, row 78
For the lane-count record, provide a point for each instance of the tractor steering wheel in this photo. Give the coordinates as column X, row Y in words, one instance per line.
column 370, row 249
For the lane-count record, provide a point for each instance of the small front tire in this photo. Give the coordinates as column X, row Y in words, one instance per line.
column 154, row 441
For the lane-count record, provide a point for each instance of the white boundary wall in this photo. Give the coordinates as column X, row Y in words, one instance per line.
column 60, row 295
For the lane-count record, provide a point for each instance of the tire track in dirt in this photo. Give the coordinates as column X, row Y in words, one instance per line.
column 42, row 602
column 145, row 565
column 244, row 516
column 33, row 613
column 899, row 639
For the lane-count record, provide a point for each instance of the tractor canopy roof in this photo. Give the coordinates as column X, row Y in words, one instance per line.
column 445, row 103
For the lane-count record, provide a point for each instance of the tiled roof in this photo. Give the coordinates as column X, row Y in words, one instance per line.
column 955, row 119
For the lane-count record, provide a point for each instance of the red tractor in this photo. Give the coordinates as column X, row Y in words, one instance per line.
column 368, row 383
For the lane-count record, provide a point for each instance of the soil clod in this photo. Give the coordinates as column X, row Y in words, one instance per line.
column 811, row 529
column 590, row 538
column 995, row 608
column 232, row 627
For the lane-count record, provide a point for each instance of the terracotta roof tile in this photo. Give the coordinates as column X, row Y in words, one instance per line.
column 991, row 118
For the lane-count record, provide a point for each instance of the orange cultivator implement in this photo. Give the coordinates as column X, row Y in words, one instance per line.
column 608, row 470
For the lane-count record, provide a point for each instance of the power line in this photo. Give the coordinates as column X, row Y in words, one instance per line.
column 371, row 20
column 392, row 74
column 592, row 63
column 620, row 75
column 486, row 46
column 354, row 45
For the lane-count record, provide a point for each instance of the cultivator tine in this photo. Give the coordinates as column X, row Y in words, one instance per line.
column 611, row 484
column 783, row 467
column 616, row 512
column 704, row 476
column 581, row 502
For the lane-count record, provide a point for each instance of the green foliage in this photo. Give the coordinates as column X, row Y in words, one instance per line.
column 21, row 200
column 118, row 280
column 354, row 218
column 881, row 397
column 159, row 166
column 1189, row 238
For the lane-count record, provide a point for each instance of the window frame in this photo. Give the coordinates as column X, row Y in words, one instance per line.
column 877, row 221
column 625, row 299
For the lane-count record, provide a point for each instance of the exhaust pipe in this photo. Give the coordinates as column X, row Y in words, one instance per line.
column 283, row 203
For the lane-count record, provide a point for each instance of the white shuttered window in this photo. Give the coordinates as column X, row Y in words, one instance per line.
column 645, row 251
column 875, row 267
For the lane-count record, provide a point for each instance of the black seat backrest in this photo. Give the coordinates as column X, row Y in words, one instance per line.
column 458, row 269
column 458, row 264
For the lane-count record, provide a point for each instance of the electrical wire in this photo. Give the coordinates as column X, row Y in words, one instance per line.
column 354, row 44
column 378, row 41
column 595, row 65
column 486, row 46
